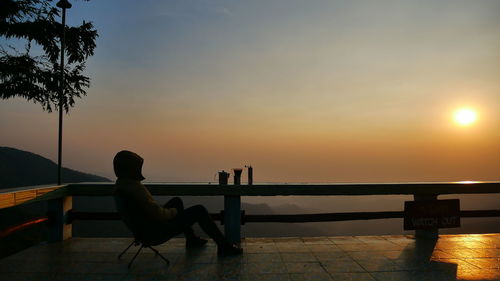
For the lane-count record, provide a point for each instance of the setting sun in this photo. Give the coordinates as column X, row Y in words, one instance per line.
column 465, row 116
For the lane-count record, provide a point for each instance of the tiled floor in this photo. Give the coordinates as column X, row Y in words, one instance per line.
column 383, row 258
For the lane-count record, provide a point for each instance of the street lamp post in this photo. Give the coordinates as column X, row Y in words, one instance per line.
column 63, row 4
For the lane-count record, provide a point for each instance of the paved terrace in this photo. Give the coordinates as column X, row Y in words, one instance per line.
column 360, row 258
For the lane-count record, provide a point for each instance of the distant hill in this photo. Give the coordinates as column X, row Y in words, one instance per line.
column 23, row 168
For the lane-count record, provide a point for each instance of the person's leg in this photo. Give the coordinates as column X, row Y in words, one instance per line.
column 177, row 203
column 200, row 215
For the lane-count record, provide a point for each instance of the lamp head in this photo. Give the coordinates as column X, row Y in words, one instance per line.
column 64, row 4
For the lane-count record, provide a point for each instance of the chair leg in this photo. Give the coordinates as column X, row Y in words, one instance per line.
column 158, row 253
column 120, row 256
column 136, row 254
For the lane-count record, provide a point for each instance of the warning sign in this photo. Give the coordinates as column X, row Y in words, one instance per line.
column 432, row 214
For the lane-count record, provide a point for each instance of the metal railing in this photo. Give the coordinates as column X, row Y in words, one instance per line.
column 61, row 214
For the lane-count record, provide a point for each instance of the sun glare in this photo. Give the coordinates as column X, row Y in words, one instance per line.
column 465, row 116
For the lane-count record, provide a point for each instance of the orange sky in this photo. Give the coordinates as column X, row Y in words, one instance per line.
column 310, row 92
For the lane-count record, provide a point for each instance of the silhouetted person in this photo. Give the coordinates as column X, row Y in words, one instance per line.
column 169, row 220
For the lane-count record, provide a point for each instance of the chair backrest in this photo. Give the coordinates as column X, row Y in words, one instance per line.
column 145, row 231
column 128, row 218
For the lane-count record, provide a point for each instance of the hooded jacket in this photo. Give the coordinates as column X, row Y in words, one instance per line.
column 140, row 206
column 138, row 199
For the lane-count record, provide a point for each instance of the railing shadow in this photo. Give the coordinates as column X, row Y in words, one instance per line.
column 418, row 259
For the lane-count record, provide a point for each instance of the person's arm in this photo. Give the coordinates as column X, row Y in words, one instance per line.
column 149, row 207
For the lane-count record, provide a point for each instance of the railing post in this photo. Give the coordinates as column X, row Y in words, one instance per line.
column 232, row 218
column 232, row 213
column 426, row 233
column 58, row 209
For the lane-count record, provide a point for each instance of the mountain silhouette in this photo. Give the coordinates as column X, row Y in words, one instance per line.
column 23, row 168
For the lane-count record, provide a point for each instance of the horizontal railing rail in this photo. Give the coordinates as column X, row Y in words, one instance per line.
column 338, row 189
column 61, row 213
column 295, row 218
column 13, row 197
column 16, row 196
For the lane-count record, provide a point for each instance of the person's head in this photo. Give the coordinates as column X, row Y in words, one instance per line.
column 128, row 165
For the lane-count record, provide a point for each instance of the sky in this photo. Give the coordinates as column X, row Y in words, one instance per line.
column 304, row 91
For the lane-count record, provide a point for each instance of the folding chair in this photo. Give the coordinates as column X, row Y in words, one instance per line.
column 141, row 238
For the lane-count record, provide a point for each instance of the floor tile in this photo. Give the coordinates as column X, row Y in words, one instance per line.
column 265, row 277
column 353, row 247
column 330, row 256
column 263, row 268
column 304, row 267
column 352, row 277
column 342, row 265
column 479, row 274
column 263, row 257
column 440, row 254
column 87, row 277
column 322, row 247
column 485, row 263
column 452, row 257
column 433, row 276
column 487, row 253
column 317, row 240
column 260, row 248
column 292, row 248
column 393, row 276
column 26, row 276
column 344, row 240
column 310, row 277
column 298, row 257
column 378, row 264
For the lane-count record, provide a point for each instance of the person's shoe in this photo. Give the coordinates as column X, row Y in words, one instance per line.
column 229, row 250
column 196, row 242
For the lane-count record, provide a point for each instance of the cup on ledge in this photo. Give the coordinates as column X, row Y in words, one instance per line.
column 237, row 175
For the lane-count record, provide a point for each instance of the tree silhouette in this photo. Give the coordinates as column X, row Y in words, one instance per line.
column 33, row 72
